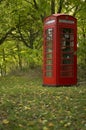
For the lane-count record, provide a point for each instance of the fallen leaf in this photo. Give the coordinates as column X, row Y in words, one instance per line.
column 45, row 128
column 50, row 124
column 5, row 121
column 67, row 124
column 27, row 108
column 20, row 125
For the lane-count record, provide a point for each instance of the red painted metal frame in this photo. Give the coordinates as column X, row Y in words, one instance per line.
column 56, row 79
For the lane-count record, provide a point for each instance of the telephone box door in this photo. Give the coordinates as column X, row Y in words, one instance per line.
column 68, row 59
column 49, row 71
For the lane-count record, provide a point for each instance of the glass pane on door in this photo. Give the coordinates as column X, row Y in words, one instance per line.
column 49, row 52
column 67, row 51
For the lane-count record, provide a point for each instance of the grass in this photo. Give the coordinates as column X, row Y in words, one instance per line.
column 26, row 105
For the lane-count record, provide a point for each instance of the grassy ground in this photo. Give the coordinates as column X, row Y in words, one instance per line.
column 26, row 105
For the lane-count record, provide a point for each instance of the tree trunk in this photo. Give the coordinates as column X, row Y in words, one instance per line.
column 3, row 66
column 60, row 6
column 19, row 56
column 52, row 6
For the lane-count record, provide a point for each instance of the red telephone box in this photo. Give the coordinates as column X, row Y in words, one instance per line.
column 59, row 50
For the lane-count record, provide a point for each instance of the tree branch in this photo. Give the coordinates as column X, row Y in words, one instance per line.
column 22, row 38
column 6, row 35
column 35, row 4
column 77, row 9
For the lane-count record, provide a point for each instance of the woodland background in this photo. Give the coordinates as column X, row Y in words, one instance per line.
column 21, row 31
column 24, row 103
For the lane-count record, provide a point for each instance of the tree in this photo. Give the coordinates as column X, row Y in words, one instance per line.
column 21, row 25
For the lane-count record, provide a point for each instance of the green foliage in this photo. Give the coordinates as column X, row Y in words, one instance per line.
column 17, row 56
column 21, row 24
column 25, row 104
